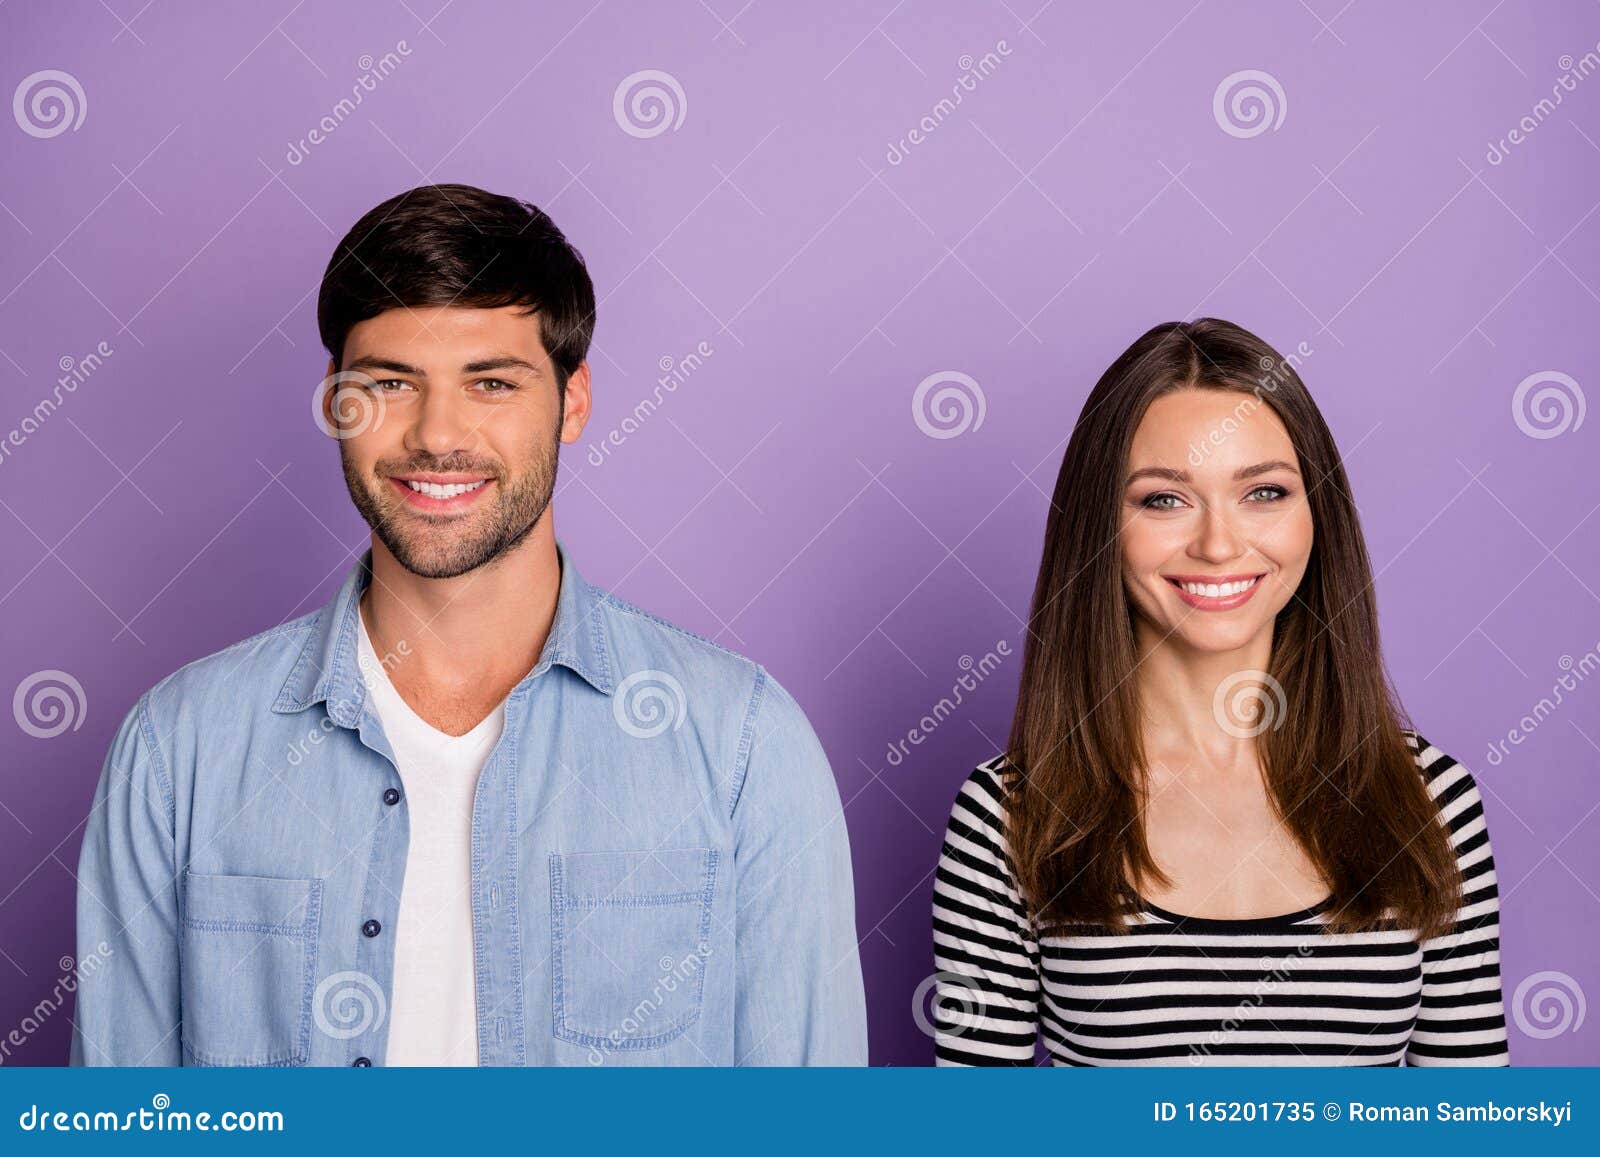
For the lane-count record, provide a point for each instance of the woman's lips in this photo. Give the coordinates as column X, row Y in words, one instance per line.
column 1232, row 590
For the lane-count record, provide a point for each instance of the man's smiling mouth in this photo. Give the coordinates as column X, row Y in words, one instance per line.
column 439, row 493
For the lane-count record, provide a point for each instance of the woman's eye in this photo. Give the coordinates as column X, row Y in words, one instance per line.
column 1266, row 494
column 1162, row 501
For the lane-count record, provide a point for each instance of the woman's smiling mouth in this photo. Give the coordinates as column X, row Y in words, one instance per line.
column 1215, row 592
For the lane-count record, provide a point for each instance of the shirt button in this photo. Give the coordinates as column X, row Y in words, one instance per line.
column 361, row 1063
column 371, row 928
column 391, row 797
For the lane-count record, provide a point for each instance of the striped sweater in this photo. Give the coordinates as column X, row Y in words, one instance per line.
column 1280, row 990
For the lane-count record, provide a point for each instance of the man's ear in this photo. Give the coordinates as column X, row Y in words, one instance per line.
column 329, row 422
column 575, row 404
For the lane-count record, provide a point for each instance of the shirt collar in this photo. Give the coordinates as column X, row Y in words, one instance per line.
column 327, row 670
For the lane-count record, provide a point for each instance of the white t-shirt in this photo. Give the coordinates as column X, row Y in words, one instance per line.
column 433, row 1014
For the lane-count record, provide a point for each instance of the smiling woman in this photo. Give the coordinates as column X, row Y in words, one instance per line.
column 1211, row 838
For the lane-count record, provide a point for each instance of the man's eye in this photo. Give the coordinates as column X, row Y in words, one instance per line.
column 391, row 385
column 496, row 386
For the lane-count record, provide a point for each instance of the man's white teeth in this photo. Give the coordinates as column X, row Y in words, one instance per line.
column 437, row 490
column 1220, row 590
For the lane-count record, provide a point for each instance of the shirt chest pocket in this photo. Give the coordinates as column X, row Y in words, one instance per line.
column 631, row 938
column 249, row 960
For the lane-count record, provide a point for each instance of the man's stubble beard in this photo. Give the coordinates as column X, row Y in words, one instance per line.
column 516, row 511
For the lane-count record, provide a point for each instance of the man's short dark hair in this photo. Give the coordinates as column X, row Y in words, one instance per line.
column 459, row 245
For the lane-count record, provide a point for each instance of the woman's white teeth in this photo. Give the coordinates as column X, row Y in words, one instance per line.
column 438, row 490
column 1220, row 590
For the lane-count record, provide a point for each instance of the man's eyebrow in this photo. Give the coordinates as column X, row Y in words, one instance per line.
column 484, row 365
column 499, row 363
column 371, row 362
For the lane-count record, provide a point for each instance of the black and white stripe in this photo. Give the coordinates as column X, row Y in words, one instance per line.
column 1180, row 990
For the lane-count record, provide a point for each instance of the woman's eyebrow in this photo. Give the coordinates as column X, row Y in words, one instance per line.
column 1265, row 468
column 1240, row 474
column 1166, row 472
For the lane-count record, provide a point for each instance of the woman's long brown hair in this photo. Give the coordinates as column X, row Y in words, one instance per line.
column 1337, row 766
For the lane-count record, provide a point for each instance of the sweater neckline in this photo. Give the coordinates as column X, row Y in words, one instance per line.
column 1239, row 924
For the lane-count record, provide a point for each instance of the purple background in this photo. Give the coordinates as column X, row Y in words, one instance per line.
column 783, row 500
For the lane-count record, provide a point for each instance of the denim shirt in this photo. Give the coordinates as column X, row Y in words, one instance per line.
column 661, row 873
